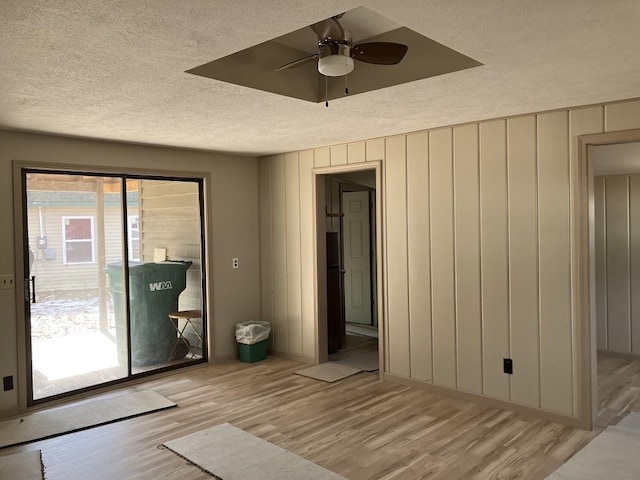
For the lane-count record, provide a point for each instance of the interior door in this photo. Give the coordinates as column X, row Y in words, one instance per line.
column 357, row 257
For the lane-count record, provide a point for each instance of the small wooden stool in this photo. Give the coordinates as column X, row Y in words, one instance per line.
column 188, row 316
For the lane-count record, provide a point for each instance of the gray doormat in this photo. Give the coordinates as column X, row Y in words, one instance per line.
column 22, row 466
column 328, row 372
column 229, row 453
column 367, row 362
column 57, row 421
column 614, row 454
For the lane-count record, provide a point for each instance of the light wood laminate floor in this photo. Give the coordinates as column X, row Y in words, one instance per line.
column 359, row 427
column 618, row 387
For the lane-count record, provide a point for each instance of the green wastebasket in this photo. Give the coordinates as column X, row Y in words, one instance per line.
column 252, row 338
column 154, row 290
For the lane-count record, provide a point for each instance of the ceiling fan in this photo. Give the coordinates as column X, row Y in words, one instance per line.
column 336, row 52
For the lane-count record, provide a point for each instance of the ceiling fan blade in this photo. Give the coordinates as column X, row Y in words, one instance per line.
column 298, row 62
column 380, row 53
column 329, row 28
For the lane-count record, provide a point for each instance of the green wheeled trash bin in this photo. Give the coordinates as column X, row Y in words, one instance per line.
column 154, row 289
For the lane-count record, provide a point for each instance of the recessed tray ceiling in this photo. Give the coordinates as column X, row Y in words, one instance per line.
column 255, row 67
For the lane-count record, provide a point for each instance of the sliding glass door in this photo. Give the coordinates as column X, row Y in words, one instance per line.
column 115, row 284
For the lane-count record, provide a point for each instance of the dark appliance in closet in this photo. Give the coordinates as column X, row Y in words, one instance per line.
column 335, row 307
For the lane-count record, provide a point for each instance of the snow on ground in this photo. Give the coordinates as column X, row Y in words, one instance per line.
column 58, row 314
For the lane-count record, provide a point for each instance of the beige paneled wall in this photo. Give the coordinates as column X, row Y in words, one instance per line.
column 617, row 233
column 480, row 252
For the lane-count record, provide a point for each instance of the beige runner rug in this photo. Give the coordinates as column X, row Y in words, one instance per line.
column 57, row 421
column 333, row 371
column 229, row 453
column 22, row 466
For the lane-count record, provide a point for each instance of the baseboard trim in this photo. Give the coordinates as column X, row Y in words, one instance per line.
column 9, row 413
column 293, row 356
column 224, row 359
column 489, row 401
column 626, row 356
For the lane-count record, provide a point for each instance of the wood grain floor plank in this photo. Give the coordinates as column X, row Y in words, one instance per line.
column 360, row 427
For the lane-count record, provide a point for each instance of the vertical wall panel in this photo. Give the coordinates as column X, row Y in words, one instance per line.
column 601, row 263
column 556, row 356
column 418, row 253
column 338, row 155
column 467, row 241
column 493, row 228
column 356, row 152
column 294, row 301
column 396, row 258
column 322, row 157
column 266, row 244
column 634, row 235
column 279, row 255
column 618, row 271
column 442, row 264
column 306, row 253
column 374, row 149
column 523, row 260
column 622, row 116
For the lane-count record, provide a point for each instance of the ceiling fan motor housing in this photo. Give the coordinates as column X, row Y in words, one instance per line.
column 335, row 59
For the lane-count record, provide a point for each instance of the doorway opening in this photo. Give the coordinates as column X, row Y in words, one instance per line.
column 114, row 284
column 616, row 233
column 349, row 264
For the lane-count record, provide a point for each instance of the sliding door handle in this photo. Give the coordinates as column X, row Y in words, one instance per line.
column 33, row 289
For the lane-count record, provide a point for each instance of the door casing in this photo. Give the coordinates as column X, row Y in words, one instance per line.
column 320, row 257
column 584, row 244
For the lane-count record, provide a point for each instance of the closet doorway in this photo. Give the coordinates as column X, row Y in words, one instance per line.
column 348, row 253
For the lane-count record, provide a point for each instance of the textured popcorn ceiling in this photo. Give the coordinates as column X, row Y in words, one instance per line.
column 115, row 70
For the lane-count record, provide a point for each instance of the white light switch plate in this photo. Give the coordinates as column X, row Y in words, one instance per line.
column 7, row 281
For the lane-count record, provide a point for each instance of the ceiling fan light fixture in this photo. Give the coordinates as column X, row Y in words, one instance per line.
column 335, row 65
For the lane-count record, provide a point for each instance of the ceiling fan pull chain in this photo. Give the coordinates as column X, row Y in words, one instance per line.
column 326, row 92
column 346, row 84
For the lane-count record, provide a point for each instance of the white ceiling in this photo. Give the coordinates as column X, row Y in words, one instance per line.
column 115, row 69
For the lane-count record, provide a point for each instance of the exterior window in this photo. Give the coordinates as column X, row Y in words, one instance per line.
column 77, row 240
column 134, row 237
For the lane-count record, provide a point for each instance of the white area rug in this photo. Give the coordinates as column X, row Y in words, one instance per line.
column 229, row 453
column 333, row 371
column 22, row 466
column 614, row 454
column 50, row 423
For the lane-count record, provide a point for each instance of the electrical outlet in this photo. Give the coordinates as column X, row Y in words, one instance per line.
column 234, row 262
column 7, row 281
column 507, row 366
column 7, row 383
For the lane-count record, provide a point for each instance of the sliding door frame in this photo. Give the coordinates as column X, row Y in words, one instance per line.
column 24, row 375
